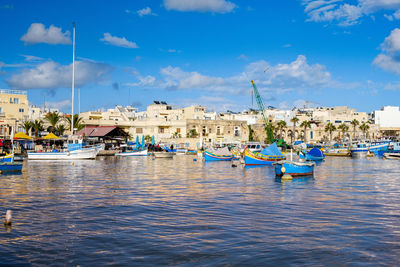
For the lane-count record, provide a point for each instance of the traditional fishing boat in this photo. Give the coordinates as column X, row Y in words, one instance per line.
column 7, row 167
column 361, row 149
column 7, row 158
column 267, row 156
column 294, row 168
column 221, row 154
column 162, row 154
column 133, row 153
column 315, row 154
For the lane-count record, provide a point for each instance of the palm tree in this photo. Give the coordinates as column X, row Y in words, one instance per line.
column 53, row 118
column 281, row 125
column 61, row 129
column 354, row 123
column 148, row 139
column 294, row 120
column 37, row 126
column 305, row 125
column 330, row 128
column 364, row 127
column 78, row 125
column 27, row 125
column 343, row 128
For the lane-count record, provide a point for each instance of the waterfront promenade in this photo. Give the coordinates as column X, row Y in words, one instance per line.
column 139, row 211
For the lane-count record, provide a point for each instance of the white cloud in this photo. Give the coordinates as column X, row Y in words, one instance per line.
column 32, row 58
column 217, row 6
column 243, row 56
column 348, row 14
column 145, row 12
column 293, row 76
column 52, row 75
column 37, row 33
column 389, row 59
column 117, row 41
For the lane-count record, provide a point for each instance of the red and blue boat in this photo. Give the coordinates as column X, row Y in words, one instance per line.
column 267, row 156
column 222, row 154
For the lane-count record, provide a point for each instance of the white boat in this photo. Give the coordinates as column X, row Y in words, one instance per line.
column 162, row 154
column 363, row 149
column 133, row 153
column 86, row 153
column 391, row 155
column 76, row 149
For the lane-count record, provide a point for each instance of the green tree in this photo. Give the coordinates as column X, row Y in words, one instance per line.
column 364, row 127
column 27, row 125
column 343, row 128
column 37, row 126
column 281, row 125
column 78, row 125
column 192, row 133
column 251, row 134
column 61, row 129
column 53, row 118
column 354, row 123
column 305, row 125
column 295, row 120
column 330, row 128
column 148, row 139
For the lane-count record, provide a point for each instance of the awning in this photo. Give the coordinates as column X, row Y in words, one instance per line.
column 51, row 136
column 21, row 135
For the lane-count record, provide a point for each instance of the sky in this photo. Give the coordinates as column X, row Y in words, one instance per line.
column 192, row 52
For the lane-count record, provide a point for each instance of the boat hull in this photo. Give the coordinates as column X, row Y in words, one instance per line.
column 7, row 167
column 294, row 169
column 166, row 155
column 90, row 153
column 133, row 153
column 208, row 156
column 391, row 155
column 313, row 158
column 255, row 158
column 7, row 158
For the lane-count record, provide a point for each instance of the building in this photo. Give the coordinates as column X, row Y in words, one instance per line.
column 13, row 110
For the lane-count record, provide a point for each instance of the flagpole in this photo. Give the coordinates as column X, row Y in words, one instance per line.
column 73, row 77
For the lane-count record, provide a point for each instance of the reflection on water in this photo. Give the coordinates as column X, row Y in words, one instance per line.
column 180, row 211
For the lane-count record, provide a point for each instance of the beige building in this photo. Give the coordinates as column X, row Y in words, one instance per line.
column 13, row 110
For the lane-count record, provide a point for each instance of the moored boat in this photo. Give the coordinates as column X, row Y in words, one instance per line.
column 133, row 153
column 391, row 155
column 315, row 154
column 163, row 154
column 294, row 168
column 222, row 154
column 7, row 167
column 267, row 156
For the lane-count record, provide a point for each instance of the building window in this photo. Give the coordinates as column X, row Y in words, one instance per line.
column 161, row 130
column 16, row 101
column 204, row 130
column 237, row 131
column 139, row 130
column 218, row 130
column 178, row 130
column 11, row 100
column 21, row 110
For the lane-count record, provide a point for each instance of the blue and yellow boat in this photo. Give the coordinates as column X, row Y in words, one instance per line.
column 294, row 168
column 267, row 156
column 218, row 155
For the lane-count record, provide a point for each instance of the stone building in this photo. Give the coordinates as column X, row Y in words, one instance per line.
column 13, row 110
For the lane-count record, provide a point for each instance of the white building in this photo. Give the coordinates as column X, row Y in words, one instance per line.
column 387, row 117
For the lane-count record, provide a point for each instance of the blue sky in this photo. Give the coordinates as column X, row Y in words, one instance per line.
column 327, row 52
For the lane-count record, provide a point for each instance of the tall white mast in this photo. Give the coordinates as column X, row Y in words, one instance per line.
column 73, row 77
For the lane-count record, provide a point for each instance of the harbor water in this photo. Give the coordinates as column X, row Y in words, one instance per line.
column 143, row 211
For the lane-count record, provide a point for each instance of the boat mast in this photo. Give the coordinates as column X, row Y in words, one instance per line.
column 73, row 77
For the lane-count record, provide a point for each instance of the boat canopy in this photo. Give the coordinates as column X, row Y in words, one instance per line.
column 272, row 150
column 315, row 152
